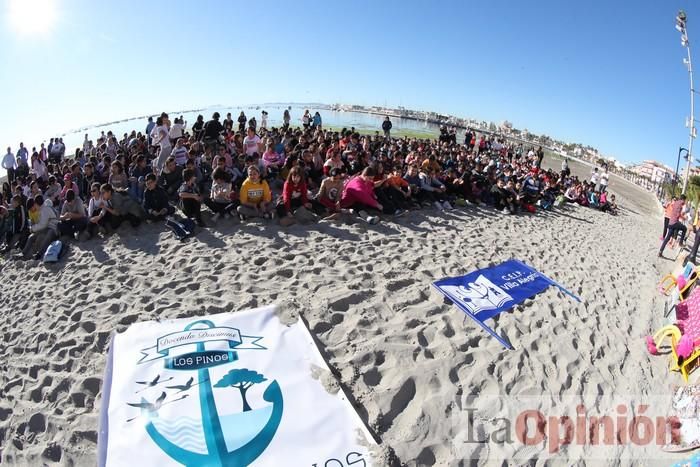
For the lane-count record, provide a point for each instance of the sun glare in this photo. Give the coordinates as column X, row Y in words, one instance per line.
column 32, row 17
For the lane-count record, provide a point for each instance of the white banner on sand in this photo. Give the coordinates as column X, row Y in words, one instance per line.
column 233, row 389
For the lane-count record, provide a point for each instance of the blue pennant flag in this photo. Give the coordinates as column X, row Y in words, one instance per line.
column 484, row 293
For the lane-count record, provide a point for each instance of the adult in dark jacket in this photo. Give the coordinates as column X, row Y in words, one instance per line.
column 213, row 129
column 198, row 128
column 386, row 126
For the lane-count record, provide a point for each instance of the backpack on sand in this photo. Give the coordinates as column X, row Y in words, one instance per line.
column 182, row 228
column 54, row 252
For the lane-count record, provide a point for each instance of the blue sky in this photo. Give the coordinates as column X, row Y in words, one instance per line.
column 608, row 74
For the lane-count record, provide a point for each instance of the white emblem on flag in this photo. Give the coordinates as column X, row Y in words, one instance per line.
column 480, row 295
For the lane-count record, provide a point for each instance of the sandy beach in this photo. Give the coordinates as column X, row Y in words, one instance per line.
column 406, row 358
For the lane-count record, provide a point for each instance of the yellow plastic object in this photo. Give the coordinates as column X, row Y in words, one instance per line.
column 667, row 284
column 689, row 284
column 669, row 281
column 671, row 331
column 686, row 367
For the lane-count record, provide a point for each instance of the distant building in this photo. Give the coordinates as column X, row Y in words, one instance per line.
column 694, row 172
column 506, row 127
column 654, row 171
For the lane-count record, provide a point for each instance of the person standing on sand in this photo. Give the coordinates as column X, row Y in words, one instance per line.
column 604, row 178
column 286, row 118
column 539, row 154
column 228, row 122
column 674, row 224
column 386, row 126
column 595, row 179
column 149, row 128
column 242, row 120
column 177, row 131
column 23, row 154
column 212, row 130
column 198, row 128
column 10, row 165
column 160, row 137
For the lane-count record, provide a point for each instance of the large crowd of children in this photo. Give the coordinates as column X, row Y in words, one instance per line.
column 283, row 174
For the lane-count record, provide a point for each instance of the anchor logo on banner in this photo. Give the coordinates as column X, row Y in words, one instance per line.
column 480, row 295
column 209, row 438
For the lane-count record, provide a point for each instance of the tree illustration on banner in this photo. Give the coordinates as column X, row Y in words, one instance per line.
column 241, row 379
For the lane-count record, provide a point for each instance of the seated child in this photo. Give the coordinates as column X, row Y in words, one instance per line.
column 73, row 219
column 20, row 224
column 294, row 195
column 155, row 200
column 328, row 197
column 190, row 199
column 171, row 177
column 359, row 196
column 222, row 196
column 272, row 161
column 44, row 231
column 430, row 184
column 255, row 196
column 398, row 190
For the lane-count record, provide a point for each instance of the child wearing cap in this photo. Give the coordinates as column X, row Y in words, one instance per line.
column 255, row 196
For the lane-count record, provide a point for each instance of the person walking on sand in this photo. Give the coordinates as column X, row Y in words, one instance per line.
column 668, row 204
column 674, row 224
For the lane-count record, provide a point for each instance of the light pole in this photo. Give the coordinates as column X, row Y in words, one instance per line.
column 681, row 20
column 678, row 163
